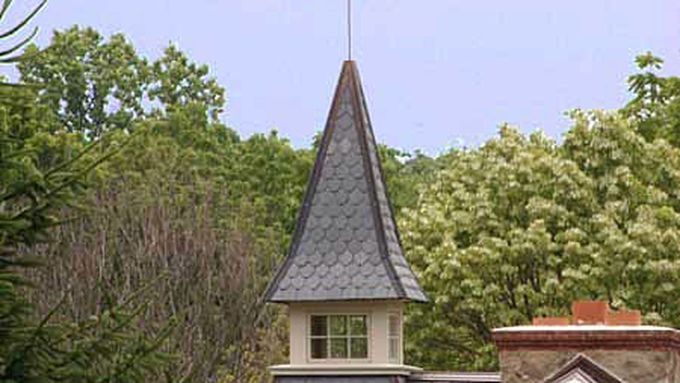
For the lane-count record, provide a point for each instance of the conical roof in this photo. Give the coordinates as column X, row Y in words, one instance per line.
column 346, row 245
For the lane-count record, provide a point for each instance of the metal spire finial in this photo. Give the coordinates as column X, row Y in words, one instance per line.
column 349, row 29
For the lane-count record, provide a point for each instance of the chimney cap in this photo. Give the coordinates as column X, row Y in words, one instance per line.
column 589, row 312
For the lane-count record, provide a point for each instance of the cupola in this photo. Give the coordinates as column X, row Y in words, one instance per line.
column 345, row 278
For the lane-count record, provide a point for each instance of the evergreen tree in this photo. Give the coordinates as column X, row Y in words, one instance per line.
column 104, row 348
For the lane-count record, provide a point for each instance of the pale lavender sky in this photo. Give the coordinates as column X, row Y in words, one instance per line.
column 436, row 73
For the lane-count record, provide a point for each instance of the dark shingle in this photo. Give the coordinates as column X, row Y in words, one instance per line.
column 346, row 245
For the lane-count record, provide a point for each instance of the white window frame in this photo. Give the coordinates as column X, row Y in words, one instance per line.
column 399, row 337
column 309, row 336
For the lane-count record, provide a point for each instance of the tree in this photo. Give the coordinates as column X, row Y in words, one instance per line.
column 405, row 174
column 176, row 81
column 91, row 84
column 522, row 226
column 104, row 348
column 187, row 198
column 656, row 105
column 95, row 85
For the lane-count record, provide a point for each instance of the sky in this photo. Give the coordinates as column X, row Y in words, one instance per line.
column 436, row 73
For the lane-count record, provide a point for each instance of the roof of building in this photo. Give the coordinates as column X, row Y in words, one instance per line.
column 584, row 328
column 592, row 325
column 455, row 377
column 346, row 245
column 583, row 368
column 424, row 377
column 340, row 379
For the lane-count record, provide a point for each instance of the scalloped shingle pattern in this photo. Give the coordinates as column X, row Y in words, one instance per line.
column 346, row 246
column 395, row 253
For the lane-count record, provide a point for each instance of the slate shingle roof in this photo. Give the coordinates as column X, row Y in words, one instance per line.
column 346, row 245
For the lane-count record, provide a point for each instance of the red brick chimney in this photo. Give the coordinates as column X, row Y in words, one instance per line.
column 613, row 341
column 593, row 313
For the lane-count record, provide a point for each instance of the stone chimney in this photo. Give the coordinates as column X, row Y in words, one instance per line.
column 594, row 344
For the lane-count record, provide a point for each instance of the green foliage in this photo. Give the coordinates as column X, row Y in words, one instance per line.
column 656, row 105
column 33, row 190
column 190, row 199
column 108, row 347
column 90, row 84
column 104, row 348
column 405, row 173
column 178, row 82
column 522, row 226
column 94, row 85
column 516, row 228
column 186, row 198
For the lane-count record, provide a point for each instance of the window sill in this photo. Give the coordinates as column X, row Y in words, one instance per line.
column 340, row 361
column 343, row 369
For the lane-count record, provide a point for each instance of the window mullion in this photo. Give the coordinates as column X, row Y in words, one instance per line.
column 328, row 337
column 352, row 339
column 348, row 331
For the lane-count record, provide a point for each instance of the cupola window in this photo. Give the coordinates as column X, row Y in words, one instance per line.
column 338, row 337
column 394, row 337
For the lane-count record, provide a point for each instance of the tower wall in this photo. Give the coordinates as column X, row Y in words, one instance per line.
column 377, row 311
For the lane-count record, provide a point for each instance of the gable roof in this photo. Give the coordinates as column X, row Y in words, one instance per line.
column 582, row 369
column 346, row 245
